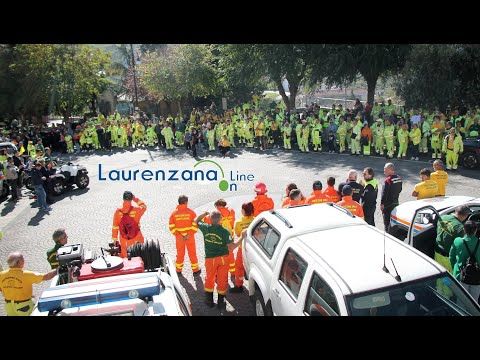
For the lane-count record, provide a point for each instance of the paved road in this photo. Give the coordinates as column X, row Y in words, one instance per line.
column 87, row 214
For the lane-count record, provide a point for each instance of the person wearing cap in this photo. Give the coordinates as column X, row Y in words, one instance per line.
column 261, row 202
column 182, row 225
column 452, row 147
column 317, row 196
column 369, row 195
column 16, row 285
column 135, row 212
column 348, row 203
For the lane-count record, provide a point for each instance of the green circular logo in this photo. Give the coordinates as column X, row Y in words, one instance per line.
column 223, row 185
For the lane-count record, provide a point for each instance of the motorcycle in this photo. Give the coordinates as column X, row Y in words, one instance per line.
column 66, row 175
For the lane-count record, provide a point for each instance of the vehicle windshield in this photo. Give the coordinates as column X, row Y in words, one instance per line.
column 438, row 295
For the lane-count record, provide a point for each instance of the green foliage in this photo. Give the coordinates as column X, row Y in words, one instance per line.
column 181, row 71
column 436, row 76
column 51, row 77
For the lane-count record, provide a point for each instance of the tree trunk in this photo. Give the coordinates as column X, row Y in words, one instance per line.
column 281, row 90
column 293, row 95
column 371, row 84
column 179, row 104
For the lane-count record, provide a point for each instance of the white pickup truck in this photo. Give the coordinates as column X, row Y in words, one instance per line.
column 322, row 260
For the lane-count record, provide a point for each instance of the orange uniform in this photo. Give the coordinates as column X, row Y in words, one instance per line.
column 317, row 197
column 332, row 194
column 136, row 213
column 291, row 203
column 228, row 222
column 183, row 226
column 351, row 205
column 262, row 203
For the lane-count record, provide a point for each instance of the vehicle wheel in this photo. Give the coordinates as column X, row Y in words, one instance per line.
column 57, row 187
column 259, row 305
column 470, row 161
column 82, row 181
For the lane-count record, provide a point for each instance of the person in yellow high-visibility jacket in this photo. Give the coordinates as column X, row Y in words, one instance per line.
column 452, row 147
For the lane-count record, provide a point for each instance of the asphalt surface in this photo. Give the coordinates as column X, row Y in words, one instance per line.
column 87, row 214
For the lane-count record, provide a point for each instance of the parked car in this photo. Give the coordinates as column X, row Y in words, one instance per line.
column 321, row 260
column 415, row 222
column 470, row 158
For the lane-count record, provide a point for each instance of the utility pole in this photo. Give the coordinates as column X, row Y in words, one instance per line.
column 134, row 78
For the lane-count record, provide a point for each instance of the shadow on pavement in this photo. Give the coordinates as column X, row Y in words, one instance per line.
column 8, row 208
column 35, row 221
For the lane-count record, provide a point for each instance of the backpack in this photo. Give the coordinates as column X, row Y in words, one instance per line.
column 128, row 227
column 470, row 273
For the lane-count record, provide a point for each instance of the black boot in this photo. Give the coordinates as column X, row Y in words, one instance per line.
column 209, row 299
column 221, row 302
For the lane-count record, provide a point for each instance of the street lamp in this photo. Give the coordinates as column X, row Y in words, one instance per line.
column 134, row 77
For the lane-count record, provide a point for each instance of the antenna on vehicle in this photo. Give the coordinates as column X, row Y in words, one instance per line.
column 398, row 278
column 384, row 265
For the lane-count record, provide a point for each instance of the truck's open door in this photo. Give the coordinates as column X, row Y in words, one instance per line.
column 422, row 231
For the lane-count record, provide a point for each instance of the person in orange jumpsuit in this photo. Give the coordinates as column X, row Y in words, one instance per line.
column 317, row 197
column 330, row 192
column 348, row 203
column 296, row 198
column 183, row 226
column 240, row 226
column 136, row 214
column 228, row 222
column 261, row 202
column 286, row 199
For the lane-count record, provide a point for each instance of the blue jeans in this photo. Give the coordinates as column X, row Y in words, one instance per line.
column 41, row 197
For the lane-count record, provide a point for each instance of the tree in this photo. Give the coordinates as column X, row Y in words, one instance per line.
column 182, row 71
column 343, row 63
column 276, row 61
column 64, row 78
column 436, row 76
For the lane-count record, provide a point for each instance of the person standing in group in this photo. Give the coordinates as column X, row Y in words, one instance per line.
column 348, row 203
column 392, row 188
column 183, row 227
column 452, row 147
column 261, row 202
column 461, row 250
column 218, row 243
column 38, row 181
column 16, row 285
column 356, row 187
column 317, row 196
column 440, row 176
column 240, row 226
column 427, row 188
column 369, row 196
column 330, row 192
column 126, row 221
